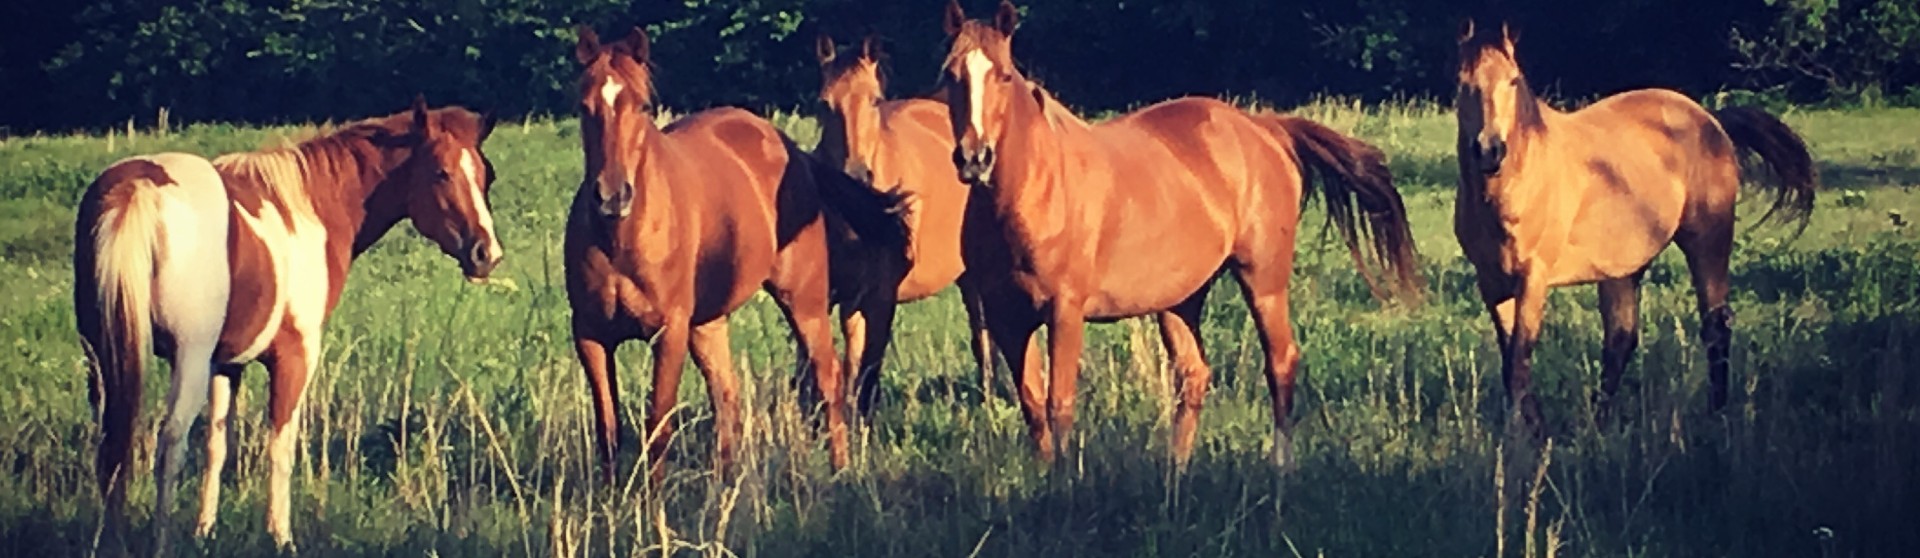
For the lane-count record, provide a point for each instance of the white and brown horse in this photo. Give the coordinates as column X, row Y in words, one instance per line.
column 155, row 234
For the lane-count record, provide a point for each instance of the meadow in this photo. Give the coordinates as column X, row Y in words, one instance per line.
column 452, row 419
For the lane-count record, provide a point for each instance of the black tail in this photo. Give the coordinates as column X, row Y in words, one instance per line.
column 876, row 217
column 1357, row 183
column 1754, row 132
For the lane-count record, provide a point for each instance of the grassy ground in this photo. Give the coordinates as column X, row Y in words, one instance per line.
column 451, row 419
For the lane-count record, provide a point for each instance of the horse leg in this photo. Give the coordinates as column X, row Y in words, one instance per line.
column 807, row 315
column 1013, row 326
column 192, row 365
column 220, row 435
column 853, row 328
column 1266, row 294
column 981, row 339
column 878, row 334
column 1707, row 256
column 288, row 368
column 1066, row 337
column 669, row 359
column 1180, row 331
column 1527, row 314
column 1620, row 315
column 597, row 356
column 713, row 354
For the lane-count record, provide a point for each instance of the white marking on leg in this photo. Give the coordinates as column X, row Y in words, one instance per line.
column 219, row 411
column 977, row 66
column 280, row 456
column 470, row 164
column 610, row 91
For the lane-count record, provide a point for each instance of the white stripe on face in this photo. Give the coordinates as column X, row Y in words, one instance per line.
column 977, row 66
column 470, row 165
column 610, row 91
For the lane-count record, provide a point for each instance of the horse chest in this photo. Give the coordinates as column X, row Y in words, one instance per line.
column 282, row 280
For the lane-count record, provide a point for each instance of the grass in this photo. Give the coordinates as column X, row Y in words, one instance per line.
column 451, row 419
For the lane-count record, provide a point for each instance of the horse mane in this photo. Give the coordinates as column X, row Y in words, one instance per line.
column 296, row 174
column 842, row 65
column 636, row 73
column 981, row 36
column 1492, row 41
column 1056, row 112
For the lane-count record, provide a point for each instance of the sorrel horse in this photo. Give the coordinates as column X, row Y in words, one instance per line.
column 1137, row 215
column 902, row 147
column 673, row 229
column 155, row 233
column 1549, row 198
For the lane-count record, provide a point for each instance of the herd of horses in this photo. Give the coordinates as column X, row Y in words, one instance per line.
column 1039, row 217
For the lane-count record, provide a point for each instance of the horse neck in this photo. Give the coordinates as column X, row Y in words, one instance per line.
column 347, row 182
column 1033, row 143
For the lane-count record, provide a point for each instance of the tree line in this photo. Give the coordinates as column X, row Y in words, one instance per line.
column 91, row 63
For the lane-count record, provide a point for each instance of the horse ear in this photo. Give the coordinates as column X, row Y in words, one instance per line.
column 638, row 45
column 870, row 48
column 823, row 48
column 1007, row 18
column 956, row 18
column 486, row 127
column 420, row 121
column 1466, row 30
column 1507, row 38
column 588, row 46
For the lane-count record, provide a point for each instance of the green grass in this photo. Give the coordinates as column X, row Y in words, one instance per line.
column 452, row 419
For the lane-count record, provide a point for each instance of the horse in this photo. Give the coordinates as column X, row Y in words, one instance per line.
column 1139, row 214
column 898, row 146
column 215, row 264
column 674, row 228
column 1549, row 199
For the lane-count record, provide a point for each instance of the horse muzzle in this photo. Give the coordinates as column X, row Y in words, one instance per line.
column 480, row 259
column 974, row 167
column 1492, row 153
column 859, row 172
column 619, row 202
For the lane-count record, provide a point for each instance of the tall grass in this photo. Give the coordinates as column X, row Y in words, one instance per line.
column 451, row 419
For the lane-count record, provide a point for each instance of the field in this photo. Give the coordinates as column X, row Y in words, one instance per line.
column 451, row 419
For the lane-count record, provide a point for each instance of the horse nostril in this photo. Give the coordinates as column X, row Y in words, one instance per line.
column 959, row 157
column 478, row 253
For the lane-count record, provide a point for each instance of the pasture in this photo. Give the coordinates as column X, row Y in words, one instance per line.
column 453, row 419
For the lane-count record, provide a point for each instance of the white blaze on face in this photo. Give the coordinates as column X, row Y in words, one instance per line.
column 470, row 166
column 610, row 91
column 977, row 66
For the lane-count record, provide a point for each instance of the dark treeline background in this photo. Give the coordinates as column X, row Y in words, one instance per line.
column 89, row 63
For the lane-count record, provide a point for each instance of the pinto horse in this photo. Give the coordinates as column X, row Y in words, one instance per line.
column 673, row 229
column 902, row 147
column 156, row 233
column 1549, row 198
column 1137, row 215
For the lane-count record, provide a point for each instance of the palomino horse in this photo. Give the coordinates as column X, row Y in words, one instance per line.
column 905, row 147
column 673, row 229
column 283, row 225
column 1550, row 198
column 1138, row 215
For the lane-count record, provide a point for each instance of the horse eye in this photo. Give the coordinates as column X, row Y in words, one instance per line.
column 442, row 174
column 1515, row 82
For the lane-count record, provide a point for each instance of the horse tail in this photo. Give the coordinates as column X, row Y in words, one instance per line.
column 117, row 238
column 877, row 217
column 1356, row 182
column 1755, row 132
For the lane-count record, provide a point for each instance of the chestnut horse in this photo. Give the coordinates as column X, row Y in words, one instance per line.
column 673, row 229
column 155, row 233
column 1137, row 215
column 1550, row 198
column 904, row 147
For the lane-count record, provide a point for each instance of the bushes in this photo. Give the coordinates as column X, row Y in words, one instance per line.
column 90, row 64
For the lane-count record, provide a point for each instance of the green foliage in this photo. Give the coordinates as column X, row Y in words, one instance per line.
column 1856, row 50
column 104, row 61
